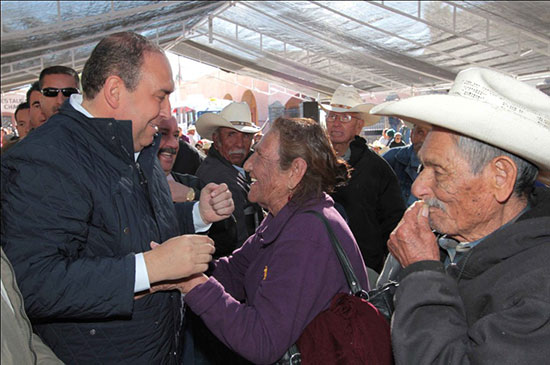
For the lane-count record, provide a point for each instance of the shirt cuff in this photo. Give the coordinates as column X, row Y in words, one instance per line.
column 198, row 223
column 142, row 277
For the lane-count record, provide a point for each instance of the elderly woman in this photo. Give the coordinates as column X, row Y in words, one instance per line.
column 259, row 300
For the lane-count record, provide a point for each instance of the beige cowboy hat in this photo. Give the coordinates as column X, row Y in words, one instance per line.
column 235, row 115
column 488, row 106
column 346, row 99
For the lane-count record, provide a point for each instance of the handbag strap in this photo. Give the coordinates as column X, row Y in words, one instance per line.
column 351, row 278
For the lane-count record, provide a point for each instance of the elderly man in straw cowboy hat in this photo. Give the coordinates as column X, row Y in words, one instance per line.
column 482, row 293
column 372, row 198
column 231, row 132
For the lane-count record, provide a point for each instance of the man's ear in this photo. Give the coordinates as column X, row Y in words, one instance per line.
column 112, row 91
column 216, row 140
column 359, row 126
column 298, row 169
column 504, row 172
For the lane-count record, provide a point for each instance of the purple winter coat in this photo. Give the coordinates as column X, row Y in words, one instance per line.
column 260, row 299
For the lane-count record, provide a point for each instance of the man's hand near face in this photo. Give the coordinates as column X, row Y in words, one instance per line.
column 412, row 240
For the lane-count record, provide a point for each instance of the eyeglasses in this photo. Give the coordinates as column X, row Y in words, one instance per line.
column 52, row 92
column 342, row 117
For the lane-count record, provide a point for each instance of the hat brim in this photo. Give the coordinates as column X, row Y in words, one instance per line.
column 363, row 109
column 208, row 123
column 477, row 120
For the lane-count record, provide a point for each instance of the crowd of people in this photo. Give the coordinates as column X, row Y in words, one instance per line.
column 121, row 242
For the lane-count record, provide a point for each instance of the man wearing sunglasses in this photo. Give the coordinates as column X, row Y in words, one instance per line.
column 372, row 198
column 56, row 84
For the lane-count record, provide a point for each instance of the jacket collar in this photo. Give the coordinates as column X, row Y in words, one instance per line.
column 116, row 135
column 532, row 228
column 406, row 154
column 272, row 226
column 358, row 147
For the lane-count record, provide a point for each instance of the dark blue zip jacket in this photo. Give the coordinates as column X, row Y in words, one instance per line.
column 76, row 208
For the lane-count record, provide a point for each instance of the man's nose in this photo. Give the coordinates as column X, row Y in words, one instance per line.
column 421, row 185
column 248, row 163
column 172, row 142
column 165, row 108
column 60, row 98
column 239, row 141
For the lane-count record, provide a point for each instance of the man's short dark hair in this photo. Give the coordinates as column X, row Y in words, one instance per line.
column 57, row 70
column 34, row 87
column 23, row 105
column 120, row 54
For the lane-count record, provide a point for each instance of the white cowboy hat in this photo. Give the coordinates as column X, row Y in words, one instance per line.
column 235, row 115
column 346, row 99
column 488, row 106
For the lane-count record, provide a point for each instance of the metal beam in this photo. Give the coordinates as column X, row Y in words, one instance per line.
column 373, row 78
column 141, row 25
column 418, row 44
column 500, row 21
column 445, row 29
column 91, row 20
column 389, row 84
column 339, row 45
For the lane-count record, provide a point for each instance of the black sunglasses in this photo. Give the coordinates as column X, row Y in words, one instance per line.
column 52, row 92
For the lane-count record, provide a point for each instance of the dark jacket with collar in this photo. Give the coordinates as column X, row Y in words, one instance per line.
column 404, row 162
column 492, row 307
column 76, row 208
column 215, row 168
column 372, row 201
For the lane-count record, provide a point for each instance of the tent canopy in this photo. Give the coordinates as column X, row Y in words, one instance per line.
column 313, row 46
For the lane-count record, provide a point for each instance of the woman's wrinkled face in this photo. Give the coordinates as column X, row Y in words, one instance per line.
column 270, row 185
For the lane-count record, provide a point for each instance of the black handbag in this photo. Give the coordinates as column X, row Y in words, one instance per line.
column 382, row 298
column 365, row 316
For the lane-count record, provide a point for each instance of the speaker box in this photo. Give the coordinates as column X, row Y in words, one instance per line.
column 310, row 109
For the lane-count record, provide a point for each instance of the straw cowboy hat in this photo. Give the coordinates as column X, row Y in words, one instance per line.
column 488, row 106
column 235, row 115
column 346, row 99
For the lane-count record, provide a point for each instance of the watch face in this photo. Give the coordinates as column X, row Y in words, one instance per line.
column 190, row 195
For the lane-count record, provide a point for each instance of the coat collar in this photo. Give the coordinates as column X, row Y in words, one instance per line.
column 272, row 226
column 115, row 134
column 529, row 230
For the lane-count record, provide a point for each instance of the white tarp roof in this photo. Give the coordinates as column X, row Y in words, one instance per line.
column 378, row 46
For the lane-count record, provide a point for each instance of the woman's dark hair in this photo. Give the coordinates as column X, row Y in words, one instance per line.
column 305, row 138
column 119, row 54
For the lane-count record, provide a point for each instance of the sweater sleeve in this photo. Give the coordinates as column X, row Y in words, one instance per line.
column 430, row 325
column 45, row 215
column 296, row 284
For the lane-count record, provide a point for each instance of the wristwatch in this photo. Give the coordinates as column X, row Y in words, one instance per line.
column 190, row 195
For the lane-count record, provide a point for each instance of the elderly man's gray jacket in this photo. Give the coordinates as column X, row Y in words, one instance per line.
column 75, row 208
column 493, row 307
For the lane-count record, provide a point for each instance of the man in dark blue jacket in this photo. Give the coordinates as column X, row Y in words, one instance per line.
column 81, row 203
column 405, row 162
